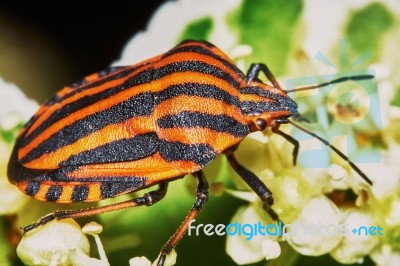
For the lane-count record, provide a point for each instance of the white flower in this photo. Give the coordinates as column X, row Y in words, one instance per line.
column 15, row 109
column 61, row 243
column 384, row 256
column 358, row 242
column 78, row 258
column 386, row 179
column 139, row 261
column 271, row 249
column 51, row 244
column 158, row 38
column 393, row 217
column 170, row 260
column 94, row 229
column 244, row 249
column 317, row 229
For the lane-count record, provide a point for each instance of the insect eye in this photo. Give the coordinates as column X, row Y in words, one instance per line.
column 261, row 124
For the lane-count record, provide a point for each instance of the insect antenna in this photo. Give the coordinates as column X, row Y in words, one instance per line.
column 335, row 81
column 338, row 152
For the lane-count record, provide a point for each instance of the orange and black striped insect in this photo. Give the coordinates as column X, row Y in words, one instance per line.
column 133, row 127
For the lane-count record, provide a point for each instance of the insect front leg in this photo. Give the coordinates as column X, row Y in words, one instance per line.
column 201, row 198
column 289, row 138
column 148, row 199
column 255, row 184
column 254, row 71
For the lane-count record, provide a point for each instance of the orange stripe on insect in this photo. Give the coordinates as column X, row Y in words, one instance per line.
column 156, row 86
column 22, row 186
column 80, row 114
column 54, row 108
column 193, row 56
column 67, row 189
column 182, row 103
column 197, row 135
column 113, row 132
column 88, row 92
column 152, row 168
column 191, row 77
column 90, row 193
column 255, row 98
column 94, row 192
column 214, row 50
column 42, row 192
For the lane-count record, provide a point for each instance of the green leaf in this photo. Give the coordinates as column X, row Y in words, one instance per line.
column 199, row 29
column 366, row 28
column 10, row 135
column 4, row 247
column 269, row 27
column 396, row 99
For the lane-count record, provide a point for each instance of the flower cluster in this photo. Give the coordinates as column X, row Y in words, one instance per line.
column 333, row 195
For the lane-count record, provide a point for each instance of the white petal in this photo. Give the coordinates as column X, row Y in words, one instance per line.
column 92, row 228
column 386, row 179
column 384, row 256
column 147, row 44
column 393, row 217
column 271, row 249
column 11, row 198
column 169, row 260
column 50, row 244
column 243, row 195
column 15, row 106
column 356, row 244
column 337, row 172
column 317, row 229
column 78, row 258
column 242, row 248
column 139, row 261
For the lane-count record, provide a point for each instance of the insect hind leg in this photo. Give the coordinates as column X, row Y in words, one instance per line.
column 147, row 199
column 201, row 198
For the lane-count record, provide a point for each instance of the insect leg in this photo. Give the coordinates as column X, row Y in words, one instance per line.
column 255, row 184
column 289, row 138
column 254, row 71
column 148, row 199
column 201, row 198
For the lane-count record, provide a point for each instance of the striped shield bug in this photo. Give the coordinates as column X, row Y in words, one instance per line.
column 134, row 127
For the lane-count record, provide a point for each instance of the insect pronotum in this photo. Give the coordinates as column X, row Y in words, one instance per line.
column 133, row 127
